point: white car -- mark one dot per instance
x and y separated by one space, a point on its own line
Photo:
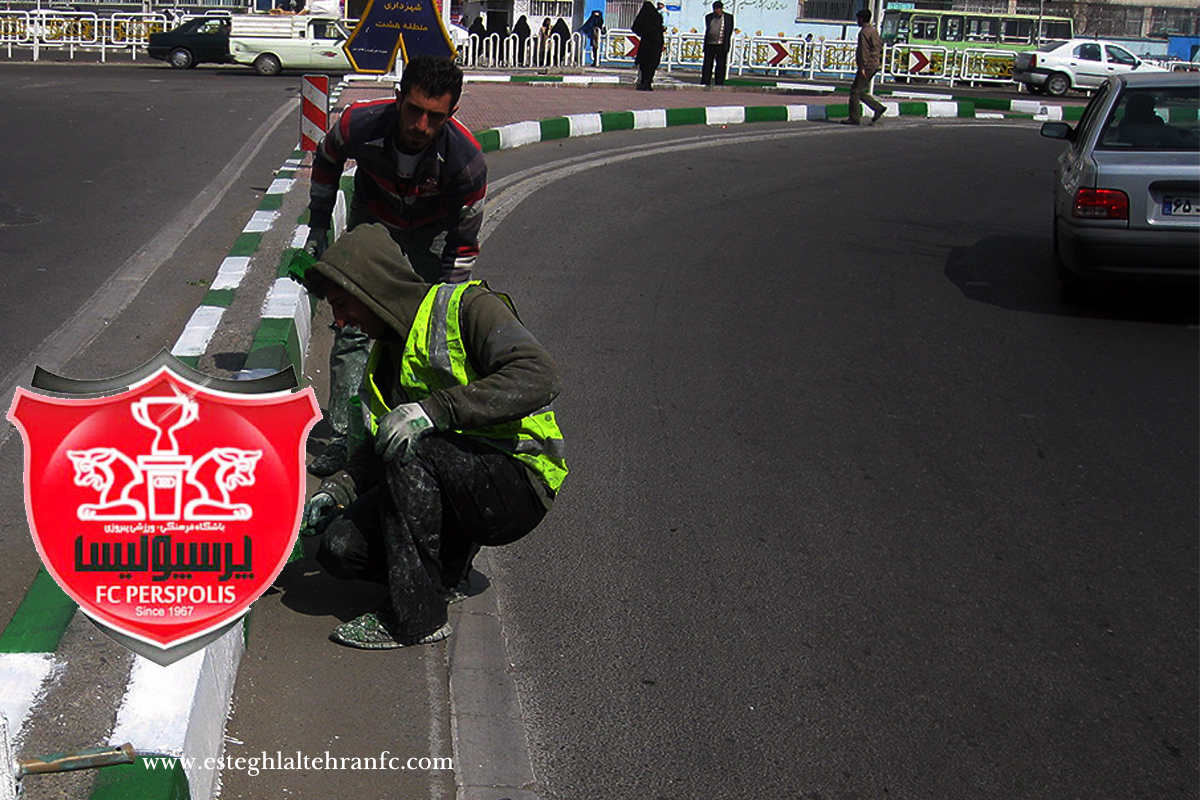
1057 67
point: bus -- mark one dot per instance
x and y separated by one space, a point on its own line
958 30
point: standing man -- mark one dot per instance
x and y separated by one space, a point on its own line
868 58
462 449
422 175
718 35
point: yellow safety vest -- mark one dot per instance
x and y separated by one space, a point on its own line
435 358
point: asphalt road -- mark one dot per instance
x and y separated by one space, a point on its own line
131 182
856 508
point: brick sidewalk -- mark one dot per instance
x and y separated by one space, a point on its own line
490 105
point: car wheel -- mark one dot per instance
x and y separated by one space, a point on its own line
267 64
1057 84
181 58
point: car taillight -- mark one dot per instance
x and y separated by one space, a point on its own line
1032 60
1101 204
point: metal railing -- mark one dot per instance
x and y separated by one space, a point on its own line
73 30
760 55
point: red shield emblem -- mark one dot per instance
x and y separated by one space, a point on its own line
166 510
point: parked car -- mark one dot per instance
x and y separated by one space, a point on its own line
199 40
271 45
1127 187
1057 67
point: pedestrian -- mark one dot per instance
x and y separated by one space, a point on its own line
545 44
648 26
462 450
421 174
718 35
592 29
868 59
524 35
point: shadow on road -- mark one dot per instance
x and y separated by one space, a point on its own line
1018 273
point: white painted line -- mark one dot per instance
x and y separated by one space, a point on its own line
810 112
24 680
988 115
231 272
943 109
289 300
300 236
282 185
198 332
260 222
923 95
805 87
487 79
649 118
519 134
180 709
1052 113
724 115
1027 106
584 124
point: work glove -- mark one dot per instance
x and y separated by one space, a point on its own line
335 493
399 431
318 240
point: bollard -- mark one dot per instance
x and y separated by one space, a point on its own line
314 110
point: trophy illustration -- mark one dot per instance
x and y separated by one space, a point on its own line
164 468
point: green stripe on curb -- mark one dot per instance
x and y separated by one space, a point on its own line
40 621
555 128
766 113
1072 113
966 108
218 297
914 109
276 346
617 121
536 78
993 103
271 202
246 244
136 781
489 140
687 116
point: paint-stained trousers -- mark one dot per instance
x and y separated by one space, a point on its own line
414 533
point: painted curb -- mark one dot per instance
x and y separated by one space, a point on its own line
170 711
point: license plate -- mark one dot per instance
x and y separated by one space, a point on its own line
1181 207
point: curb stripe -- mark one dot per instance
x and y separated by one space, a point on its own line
40 621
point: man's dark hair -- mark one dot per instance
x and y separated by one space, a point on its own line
864 15
434 76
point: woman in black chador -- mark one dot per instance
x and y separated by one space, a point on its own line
648 25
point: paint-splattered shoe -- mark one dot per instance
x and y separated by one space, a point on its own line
370 632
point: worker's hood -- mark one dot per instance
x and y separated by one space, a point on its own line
368 264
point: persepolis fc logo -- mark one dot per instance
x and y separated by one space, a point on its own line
164 510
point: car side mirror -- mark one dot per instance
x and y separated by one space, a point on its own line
1058 130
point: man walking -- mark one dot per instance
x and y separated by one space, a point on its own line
868 58
422 175
718 35
462 448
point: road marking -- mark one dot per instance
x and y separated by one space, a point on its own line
119 291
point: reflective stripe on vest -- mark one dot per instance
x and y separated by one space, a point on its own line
436 358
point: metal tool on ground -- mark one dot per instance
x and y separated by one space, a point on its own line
12 770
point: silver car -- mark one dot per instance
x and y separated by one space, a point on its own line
1127 187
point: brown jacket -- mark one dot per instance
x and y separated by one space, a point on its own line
869 55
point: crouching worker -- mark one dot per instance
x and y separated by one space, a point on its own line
461 449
